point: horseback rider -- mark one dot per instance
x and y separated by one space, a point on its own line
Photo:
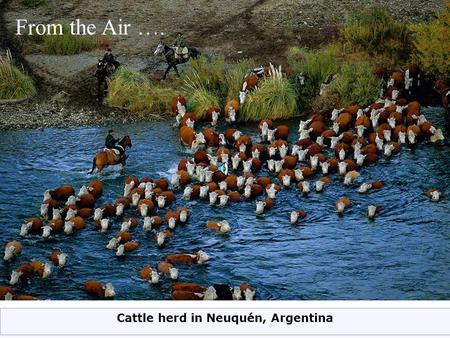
111 142
109 59
180 45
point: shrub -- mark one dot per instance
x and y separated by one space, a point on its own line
205 73
14 83
275 98
374 30
432 46
200 100
234 76
315 66
133 92
355 83
67 44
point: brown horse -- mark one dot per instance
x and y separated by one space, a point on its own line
108 157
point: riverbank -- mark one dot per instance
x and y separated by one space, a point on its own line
236 36
38 114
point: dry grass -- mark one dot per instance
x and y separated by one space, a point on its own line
275 99
133 92
14 83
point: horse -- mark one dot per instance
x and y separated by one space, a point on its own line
103 72
109 157
171 60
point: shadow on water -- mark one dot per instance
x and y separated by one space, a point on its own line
403 254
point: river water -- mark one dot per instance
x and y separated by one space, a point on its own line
403 254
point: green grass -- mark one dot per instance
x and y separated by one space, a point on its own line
14 83
205 73
135 93
234 76
433 47
67 44
200 100
374 30
355 83
275 99
315 66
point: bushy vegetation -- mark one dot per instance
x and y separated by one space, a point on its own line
14 83
234 74
275 98
67 44
314 67
433 47
200 100
374 30
355 83
205 73
135 93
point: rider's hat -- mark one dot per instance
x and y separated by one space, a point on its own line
109 49
110 131
179 33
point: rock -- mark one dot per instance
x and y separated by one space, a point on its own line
61 97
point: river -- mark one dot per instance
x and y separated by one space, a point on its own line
403 254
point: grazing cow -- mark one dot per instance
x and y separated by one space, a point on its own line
58 258
444 90
33 224
126 247
145 207
99 290
188 120
61 194
168 269
178 105
188 137
149 274
231 110
212 115
295 215
12 249
253 190
248 85
211 138
262 206
189 287
162 183
6 293
372 210
199 258
120 205
222 226
75 223
55 226
165 198
43 270
130 183
22 272
343 121
96 189
282 132
186 295
434 194
342 203
47 208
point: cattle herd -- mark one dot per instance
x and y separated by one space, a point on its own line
224 169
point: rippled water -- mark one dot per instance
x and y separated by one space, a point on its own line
403 254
